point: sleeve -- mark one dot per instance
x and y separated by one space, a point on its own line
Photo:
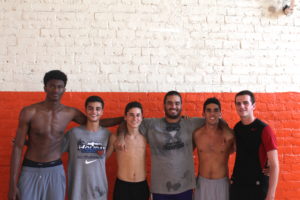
268 139
66 142
144 127
196 122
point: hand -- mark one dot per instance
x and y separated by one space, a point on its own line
185 117
270 197
120 144
14 193
266 171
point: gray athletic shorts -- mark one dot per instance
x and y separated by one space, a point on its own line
47 183
212 189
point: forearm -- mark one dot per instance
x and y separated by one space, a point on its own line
108 122
273 180
15 165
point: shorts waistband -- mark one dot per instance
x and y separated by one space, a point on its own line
126 182
212 180
30 163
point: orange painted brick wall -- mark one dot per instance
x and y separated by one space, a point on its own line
280 110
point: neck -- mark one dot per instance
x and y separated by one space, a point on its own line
92 126
52 104
170 120
248 120
132 131
212 127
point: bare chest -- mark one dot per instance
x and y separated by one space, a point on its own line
213 145
50 123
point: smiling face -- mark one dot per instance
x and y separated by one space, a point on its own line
54 89
173 107
94 111
244 107
133 117
212 114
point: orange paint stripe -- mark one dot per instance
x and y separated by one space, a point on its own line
280 110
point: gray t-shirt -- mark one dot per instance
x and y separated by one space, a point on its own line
172 164
86 164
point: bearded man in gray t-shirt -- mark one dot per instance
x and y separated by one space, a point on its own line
170 140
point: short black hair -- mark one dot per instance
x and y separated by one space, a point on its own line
246 92
94 99
170 93
213 100
133 104
55 75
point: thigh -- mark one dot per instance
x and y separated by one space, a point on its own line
246 193
56 184
121 191
187 195
29 186
140 191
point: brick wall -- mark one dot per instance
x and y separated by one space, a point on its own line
200 48
150 45
280 110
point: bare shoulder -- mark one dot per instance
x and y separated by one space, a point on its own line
71 110
30 111
198 132
228 133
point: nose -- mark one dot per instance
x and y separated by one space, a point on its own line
173 105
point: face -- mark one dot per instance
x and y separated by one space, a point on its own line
94 111
54 89
134 117
244 106
212 114
173 107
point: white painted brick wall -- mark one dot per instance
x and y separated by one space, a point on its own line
150 45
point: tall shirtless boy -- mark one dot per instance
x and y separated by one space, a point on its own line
43 124
214 145
131 183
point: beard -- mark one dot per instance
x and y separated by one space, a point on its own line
173 116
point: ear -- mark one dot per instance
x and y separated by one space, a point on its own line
254 106
44 88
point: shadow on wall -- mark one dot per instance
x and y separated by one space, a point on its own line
277 8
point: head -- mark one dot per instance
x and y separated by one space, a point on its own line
246 92
212 111
55 75
94 106
54 84
173 105
133 114
245 104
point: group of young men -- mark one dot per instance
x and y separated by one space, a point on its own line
171 139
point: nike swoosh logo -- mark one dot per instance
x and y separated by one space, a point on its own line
89 162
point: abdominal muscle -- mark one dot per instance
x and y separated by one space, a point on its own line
132 163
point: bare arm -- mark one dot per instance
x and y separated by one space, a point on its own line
274 171
23 127
110 148
120 141
194 143
80 118
107 122
233 146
